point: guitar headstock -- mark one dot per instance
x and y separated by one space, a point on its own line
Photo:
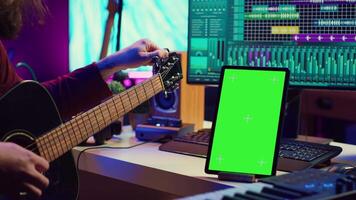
170 69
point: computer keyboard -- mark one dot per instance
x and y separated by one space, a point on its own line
309 184
303 154
201 137
299 150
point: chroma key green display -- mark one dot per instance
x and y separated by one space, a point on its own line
248 121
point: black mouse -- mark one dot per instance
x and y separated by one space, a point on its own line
342 169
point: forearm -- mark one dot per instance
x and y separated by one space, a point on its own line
138 54
109 66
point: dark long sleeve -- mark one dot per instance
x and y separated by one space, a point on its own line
78 91
8 76
73 93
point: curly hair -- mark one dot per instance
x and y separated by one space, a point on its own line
12 13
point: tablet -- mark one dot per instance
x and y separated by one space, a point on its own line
248 121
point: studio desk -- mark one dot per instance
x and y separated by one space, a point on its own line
144 172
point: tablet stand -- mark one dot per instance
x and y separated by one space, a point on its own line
248 178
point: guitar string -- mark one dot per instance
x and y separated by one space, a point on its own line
99 122
83 125
111 106
56 136
87 113
99 125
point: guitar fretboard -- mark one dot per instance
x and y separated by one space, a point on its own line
68 135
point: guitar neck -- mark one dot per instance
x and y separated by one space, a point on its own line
68 135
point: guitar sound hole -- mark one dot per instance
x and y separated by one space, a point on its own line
23 139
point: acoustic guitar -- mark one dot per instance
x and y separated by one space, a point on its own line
29 117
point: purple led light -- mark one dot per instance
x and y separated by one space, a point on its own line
308 2
322 38
127 83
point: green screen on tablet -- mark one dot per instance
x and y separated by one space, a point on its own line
247 124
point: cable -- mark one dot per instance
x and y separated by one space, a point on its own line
26 66
108 147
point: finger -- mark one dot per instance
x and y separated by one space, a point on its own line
41 164
32 190
37 179
150 46
162 53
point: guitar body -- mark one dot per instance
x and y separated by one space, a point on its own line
26 112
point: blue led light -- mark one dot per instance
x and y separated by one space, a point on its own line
309 185
328 185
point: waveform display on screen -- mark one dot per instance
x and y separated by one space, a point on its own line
317 66
315 39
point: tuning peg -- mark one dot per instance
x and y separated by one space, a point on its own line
169 82
174 87
156 59
176 78
175 58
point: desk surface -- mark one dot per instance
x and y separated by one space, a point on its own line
173 173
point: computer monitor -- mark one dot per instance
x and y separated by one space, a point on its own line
316 40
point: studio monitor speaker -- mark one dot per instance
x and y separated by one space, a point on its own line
166 105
